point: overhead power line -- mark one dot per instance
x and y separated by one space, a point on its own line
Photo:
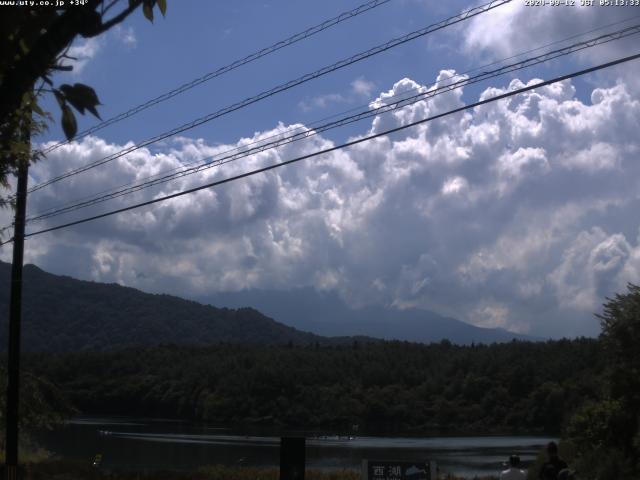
403 101
309 32
339 147
311 125
280 88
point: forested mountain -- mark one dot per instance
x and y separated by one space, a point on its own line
325 313
64 314
384 386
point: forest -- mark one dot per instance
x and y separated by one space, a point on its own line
388 386
62 314
585 390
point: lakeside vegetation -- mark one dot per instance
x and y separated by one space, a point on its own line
586 389
48 469
62 314
391 386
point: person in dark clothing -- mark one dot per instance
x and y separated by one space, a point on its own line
548 472
566 474
513 472
553 465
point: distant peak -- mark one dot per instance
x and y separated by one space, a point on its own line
32 267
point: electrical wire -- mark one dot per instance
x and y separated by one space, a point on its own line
244 152
465 15
319 122
309 32
338 147
353 109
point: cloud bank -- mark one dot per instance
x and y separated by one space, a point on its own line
519 214
515 28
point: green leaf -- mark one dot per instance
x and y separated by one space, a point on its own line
59 98
23 46
36 108
91 24
69 124
94 112
82 97
72 99
87 92
162 5
147 9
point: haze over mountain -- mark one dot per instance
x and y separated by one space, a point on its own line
64 314
325 313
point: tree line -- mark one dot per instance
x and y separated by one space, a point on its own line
387 386
586 390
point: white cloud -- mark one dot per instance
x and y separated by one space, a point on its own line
126 35
454 186
491 315
520 214
360 88
363 87
83 52
322 101
513 28
509 29
594 265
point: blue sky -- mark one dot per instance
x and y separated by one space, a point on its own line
199 37
517 215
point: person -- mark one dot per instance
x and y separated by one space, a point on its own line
566 474
513 472
548 472
552 467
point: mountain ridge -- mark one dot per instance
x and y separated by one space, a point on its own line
61 313
325 313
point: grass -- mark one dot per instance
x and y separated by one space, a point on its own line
69 470
27 455
66 470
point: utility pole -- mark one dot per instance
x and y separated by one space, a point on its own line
15 314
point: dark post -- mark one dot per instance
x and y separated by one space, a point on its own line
292 458
13 385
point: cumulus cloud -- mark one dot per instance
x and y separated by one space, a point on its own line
519 214
510 29
592 266
360 88
82 53
513 28
322 101
126 35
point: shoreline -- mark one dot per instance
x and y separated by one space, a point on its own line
77 470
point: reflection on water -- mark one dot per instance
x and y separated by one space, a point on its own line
165 444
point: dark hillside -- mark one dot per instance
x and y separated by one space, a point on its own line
64 314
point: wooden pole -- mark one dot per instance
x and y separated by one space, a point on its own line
15 314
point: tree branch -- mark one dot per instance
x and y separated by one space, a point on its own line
108 7
48 46
117 19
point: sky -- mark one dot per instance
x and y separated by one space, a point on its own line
520 214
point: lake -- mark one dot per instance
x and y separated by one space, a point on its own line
165 444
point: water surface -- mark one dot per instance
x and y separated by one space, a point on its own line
166 444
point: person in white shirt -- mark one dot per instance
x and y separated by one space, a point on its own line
513 472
